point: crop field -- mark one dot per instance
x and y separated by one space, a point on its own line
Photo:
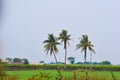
24 75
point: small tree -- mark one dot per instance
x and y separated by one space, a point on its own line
71 60
17 60
9 59
41 62
25 61
105 63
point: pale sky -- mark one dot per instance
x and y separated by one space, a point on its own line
27 23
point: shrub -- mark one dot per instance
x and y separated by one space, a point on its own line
41 76
61 66
3 75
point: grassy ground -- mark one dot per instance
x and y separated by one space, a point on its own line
23 75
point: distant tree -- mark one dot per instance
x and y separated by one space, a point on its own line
71 60
41 62
17 60
52 63
25 61
79 63
105 63
87 62
95 63
9 59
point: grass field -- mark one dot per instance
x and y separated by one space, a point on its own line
23 75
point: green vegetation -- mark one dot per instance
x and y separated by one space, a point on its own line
105 63
2 72
52 74
61 66
4 76
17 60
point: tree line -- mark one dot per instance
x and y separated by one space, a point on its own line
17 60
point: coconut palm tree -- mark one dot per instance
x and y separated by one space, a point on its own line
51 45
90 47
84 45
64 37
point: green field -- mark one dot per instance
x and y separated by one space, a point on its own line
23 75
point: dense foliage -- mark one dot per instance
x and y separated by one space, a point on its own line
61 66
25 61
105 63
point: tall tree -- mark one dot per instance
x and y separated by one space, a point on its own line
90 47
51 47
85 44
64 37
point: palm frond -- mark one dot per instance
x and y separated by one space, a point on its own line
84 44
51 44
65 38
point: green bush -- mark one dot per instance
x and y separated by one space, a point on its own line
61 66
3 75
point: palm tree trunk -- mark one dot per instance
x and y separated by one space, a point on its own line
56 60
85 59
58 69
91 61
65 58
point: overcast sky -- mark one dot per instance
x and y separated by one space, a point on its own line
26 23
